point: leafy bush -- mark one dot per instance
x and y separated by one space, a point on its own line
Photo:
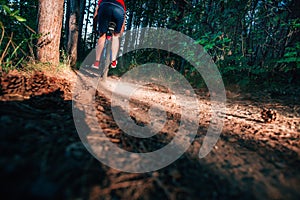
14 45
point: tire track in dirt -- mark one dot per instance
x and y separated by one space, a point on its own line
250 155
252 160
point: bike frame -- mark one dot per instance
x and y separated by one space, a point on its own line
107 47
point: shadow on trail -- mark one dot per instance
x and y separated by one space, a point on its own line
43 158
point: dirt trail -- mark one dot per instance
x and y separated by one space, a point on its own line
256 157
251 160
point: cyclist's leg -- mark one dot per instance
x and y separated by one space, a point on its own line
115 46
104 16
100 46
119 18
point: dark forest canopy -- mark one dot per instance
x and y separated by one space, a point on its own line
247 39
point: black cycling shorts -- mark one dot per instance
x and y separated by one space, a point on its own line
108 12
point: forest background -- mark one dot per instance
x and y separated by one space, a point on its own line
253 42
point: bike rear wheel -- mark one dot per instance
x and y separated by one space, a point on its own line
108 44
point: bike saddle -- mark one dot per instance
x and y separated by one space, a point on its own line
111 29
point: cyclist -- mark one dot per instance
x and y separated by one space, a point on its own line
107 11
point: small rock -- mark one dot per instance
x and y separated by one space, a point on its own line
155 174
232 139
280 164
114 140
100 108
229 117
172 97
187 92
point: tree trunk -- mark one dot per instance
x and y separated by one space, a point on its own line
73 39
82 6
67 21
50 16
75 25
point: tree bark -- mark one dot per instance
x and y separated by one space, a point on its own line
73 39
50 16
82 7
75 26
67 21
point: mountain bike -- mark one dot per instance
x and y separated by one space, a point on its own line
107 49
